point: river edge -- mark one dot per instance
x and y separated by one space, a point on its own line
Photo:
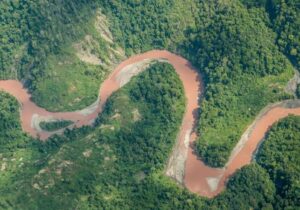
188 170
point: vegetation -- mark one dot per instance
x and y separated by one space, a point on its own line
243 73
119 164
242 48
64 90
144 25
55 125
249 188
41 48
298 91
284 18
35 29
237 45
17 156
279 155
99 158
11 135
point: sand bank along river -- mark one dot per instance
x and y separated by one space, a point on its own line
184 165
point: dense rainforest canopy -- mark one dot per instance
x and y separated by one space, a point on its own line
119 163
246 51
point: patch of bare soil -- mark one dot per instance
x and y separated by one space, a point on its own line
110 127
3 166
136 115
116 116
176 164
131 70
87 153
184 165
102 26
291 87
84 51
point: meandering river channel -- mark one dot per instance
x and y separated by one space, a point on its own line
184 165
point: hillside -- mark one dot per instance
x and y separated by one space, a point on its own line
62 51
119 164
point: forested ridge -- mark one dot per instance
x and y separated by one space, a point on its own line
244 71
246 51
239 47
284 19
37 28
119 164
37 39
278 155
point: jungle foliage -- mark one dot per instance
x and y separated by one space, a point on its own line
11 135
37 46
298 91
236 45
284 18
243 70
118 164
233 47
246 51
279 155
34 29
55 125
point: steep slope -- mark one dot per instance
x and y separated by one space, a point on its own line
233 47
58 49
244 71
284 19
119 164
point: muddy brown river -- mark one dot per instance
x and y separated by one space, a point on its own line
184 165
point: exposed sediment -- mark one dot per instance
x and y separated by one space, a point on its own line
184 165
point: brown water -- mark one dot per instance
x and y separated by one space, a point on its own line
198 178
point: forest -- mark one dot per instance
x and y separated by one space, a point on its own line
284 19
118 164
246 51
54 125
239 47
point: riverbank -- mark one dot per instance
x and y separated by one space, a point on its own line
184 164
